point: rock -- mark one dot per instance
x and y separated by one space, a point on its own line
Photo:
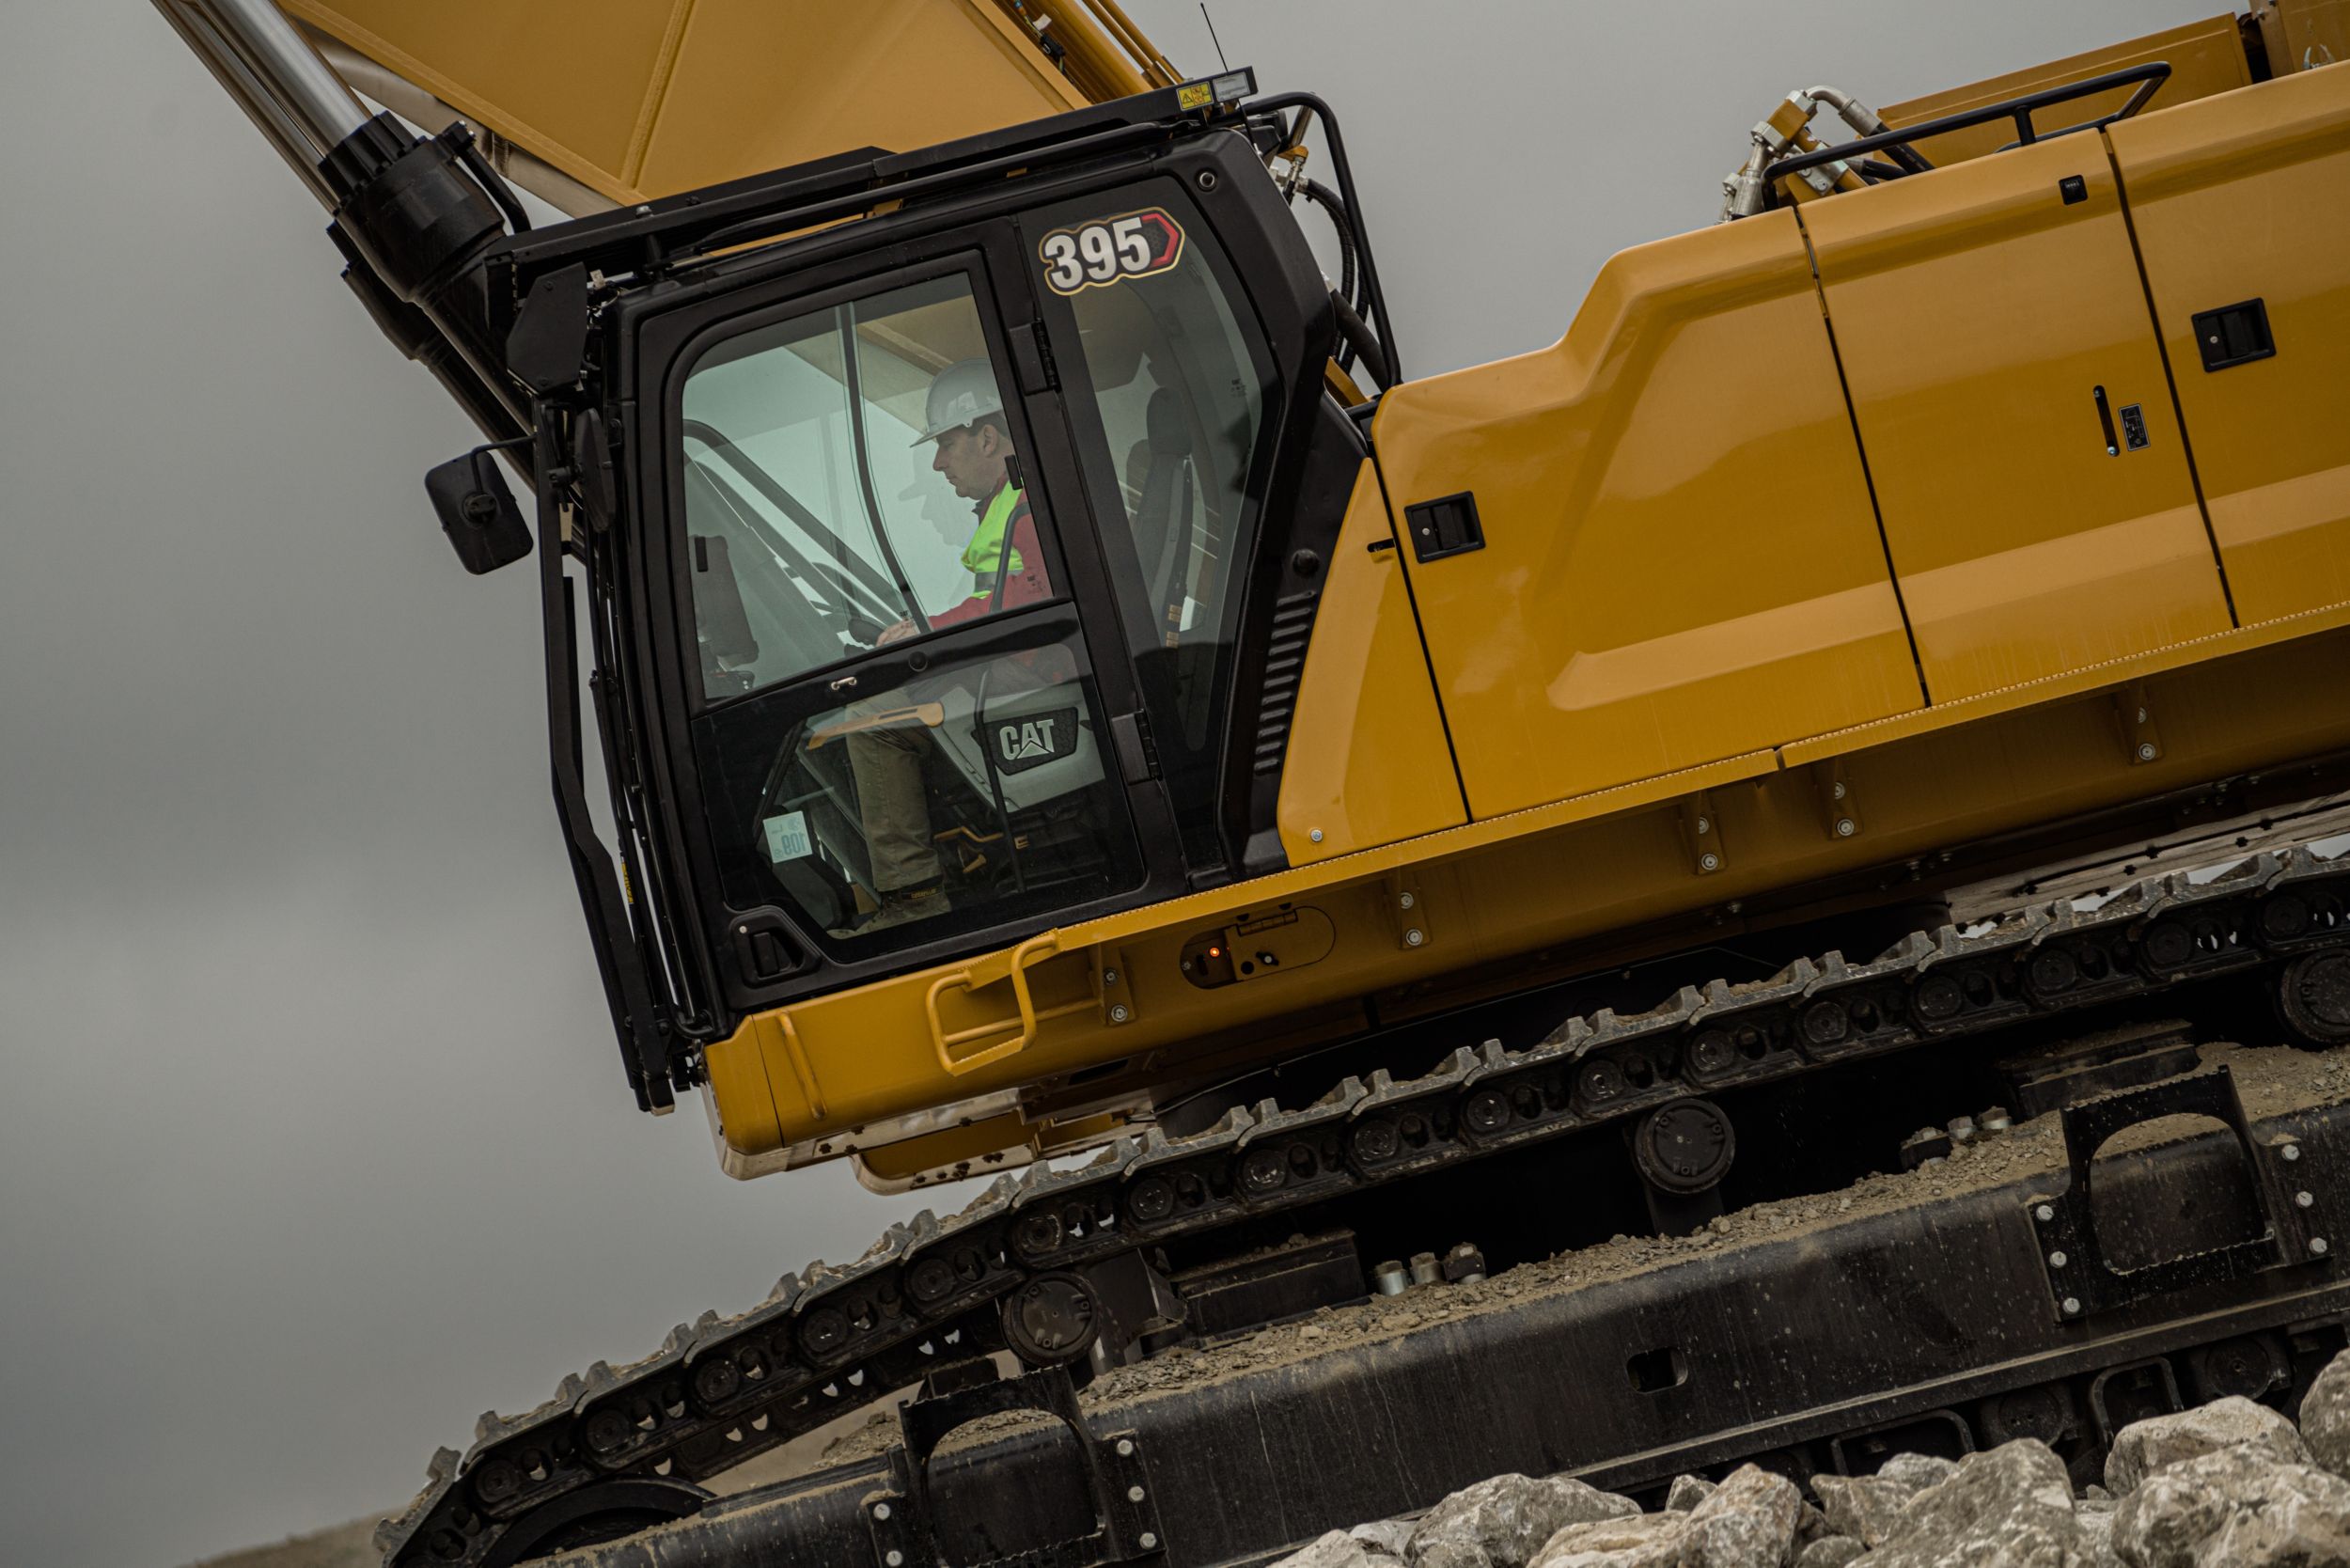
2325 1415
2094 1519
1829 1551
1338 1549
2010 1507
2144 1446
1642 1541
1746 1522
2237 1507
1917 1471
1867 1507
1384 1535
1501 1523
1688 1492
1861 1507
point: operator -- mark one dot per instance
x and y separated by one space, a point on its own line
964 417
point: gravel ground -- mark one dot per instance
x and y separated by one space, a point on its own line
2232 1484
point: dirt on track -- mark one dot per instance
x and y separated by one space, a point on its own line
2271 1080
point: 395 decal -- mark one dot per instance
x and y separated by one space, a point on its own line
1110 250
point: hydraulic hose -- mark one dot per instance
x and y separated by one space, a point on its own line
1342 222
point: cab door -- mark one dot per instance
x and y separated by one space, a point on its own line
2016 417
883 625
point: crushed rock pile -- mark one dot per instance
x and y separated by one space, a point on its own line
2232 1484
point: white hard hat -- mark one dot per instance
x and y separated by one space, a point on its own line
960 394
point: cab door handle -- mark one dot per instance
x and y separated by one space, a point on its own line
2105 418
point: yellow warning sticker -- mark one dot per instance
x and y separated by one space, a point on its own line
1194 95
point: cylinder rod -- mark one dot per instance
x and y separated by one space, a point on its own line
292 95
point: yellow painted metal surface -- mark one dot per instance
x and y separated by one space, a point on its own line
2298 35
1368 760
1681 563
643 97
1977 312
2249 197
2205 58
1504 901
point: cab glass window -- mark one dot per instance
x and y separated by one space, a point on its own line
903 740
927 795
849 482
1175 387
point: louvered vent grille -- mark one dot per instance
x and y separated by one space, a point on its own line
1284 663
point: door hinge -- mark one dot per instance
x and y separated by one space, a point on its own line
1032 359
1137 755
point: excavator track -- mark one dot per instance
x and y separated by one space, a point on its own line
835 1339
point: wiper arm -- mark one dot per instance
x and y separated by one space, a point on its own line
773 492
853 381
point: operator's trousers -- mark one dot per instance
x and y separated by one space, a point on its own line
885 756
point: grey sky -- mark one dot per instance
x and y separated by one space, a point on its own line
314 1141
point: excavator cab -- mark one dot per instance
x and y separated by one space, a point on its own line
937 542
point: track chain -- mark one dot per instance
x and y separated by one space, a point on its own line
833 1339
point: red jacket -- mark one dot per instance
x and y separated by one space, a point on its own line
1030 584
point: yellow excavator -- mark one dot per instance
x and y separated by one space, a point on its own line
1062 688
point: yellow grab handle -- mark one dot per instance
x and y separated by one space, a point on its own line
1021 957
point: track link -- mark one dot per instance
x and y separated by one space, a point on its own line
835 1339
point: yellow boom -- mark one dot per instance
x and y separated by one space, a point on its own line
597 103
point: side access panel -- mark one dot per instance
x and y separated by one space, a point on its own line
2018 419
2242 208
1677 560
1368 763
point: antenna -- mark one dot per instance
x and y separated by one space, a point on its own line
1221 63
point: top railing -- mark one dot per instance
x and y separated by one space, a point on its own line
2148 79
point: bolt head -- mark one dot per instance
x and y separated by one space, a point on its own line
2057 1258
1109 976
497 1481
893 1558
1710 862
1406 900
2044 1214
2317 1247
1705 825
2303 1199
2072 1305
881 1511
1125 1448
1119 1013
1152 1200
1844 827
1315 836
1413 938
1840 790
1133 1494
2291 1151
1147 1541
2145 751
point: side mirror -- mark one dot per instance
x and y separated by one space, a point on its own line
477 512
